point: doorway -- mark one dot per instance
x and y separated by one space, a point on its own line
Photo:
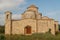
27 30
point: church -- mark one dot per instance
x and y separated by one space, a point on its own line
31 22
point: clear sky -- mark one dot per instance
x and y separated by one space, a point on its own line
50 8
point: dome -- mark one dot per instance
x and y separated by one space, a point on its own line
32 6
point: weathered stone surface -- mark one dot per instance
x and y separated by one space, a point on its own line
33 19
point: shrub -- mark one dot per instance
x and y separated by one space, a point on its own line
2 37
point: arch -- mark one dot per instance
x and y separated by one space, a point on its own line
27 30
7 16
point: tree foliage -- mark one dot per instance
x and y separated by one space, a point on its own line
2 29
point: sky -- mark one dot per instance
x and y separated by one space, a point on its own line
50 8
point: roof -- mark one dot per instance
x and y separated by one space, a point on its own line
45 17
8 12
32 6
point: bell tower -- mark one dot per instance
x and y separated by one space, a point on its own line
8 25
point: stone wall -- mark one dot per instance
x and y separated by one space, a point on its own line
18 26
8 27
42 26
45 24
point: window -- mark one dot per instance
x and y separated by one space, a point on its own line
55 26
7 16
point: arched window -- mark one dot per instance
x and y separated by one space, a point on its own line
7 16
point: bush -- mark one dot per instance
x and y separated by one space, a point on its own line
2 37
2 29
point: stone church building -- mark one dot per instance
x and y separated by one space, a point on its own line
31 22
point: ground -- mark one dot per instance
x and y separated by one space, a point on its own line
46 36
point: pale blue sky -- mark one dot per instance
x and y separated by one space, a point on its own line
50 8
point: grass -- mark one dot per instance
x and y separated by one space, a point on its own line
36 36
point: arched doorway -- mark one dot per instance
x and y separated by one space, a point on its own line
27 30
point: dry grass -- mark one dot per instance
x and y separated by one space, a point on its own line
46 36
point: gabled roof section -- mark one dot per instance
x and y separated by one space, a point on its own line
45 17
